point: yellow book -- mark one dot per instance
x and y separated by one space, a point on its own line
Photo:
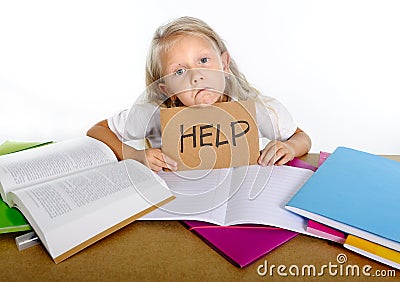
373 250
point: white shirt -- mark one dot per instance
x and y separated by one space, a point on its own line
142 121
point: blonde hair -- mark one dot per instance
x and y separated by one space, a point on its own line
165 36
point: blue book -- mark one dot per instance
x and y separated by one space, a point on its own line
355 192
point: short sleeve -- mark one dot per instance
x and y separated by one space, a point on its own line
274 120
142 121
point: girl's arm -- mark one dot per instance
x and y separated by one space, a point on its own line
281 152
153 158
102 132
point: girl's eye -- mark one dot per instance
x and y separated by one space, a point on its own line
180 72
204 60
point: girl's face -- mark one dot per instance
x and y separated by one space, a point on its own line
194 71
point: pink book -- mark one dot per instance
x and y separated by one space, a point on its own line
325 232
240 245
322 157
243 244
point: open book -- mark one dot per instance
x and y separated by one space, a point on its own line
246 194
75 192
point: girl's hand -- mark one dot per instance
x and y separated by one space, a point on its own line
156 160
276 152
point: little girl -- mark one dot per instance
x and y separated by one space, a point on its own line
184 54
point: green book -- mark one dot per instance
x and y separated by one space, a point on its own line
11 219
13 146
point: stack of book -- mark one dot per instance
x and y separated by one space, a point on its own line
354 196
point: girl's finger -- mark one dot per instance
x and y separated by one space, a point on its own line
284 160
279 154
154 161
172 164
155 168
267 156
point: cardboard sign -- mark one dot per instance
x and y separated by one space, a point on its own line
211 136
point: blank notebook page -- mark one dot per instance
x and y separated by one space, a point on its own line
263 195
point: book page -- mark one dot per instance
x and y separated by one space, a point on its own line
200 195
41 164
259 195
89 202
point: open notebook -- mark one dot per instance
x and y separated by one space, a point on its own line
240 195
243 244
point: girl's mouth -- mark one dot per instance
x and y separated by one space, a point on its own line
205 89
199 91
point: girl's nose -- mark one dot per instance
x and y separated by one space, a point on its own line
196 76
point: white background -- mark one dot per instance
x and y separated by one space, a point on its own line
65 65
